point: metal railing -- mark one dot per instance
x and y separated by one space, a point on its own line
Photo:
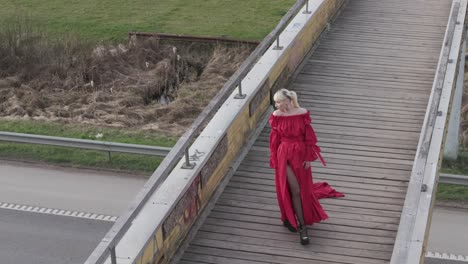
107 246
84 144
453 179
412 229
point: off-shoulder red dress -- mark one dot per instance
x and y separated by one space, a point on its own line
293 141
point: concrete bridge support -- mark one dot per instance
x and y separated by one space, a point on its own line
453 136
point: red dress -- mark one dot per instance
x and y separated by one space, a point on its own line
293 141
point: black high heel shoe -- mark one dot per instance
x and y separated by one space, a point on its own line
289 226
303 235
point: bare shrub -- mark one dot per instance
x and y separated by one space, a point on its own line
144 84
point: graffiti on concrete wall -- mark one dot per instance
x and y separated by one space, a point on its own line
216 157
258 98
186 210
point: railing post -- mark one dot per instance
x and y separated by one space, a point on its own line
113 256
187 164
277 47
240 95
307 8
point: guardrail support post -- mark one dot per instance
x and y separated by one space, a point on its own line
187 164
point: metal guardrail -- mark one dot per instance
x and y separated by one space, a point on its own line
453 179
107 245
84 144
140 149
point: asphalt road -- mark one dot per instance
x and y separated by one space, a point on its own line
28 237
449 231
69 189
34 238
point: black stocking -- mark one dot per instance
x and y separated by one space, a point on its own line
295 194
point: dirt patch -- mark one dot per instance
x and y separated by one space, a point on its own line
146 85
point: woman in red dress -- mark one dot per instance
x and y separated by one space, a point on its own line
293 146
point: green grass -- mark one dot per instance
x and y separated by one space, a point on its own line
78 157
112 20
452 193
459 166
87 132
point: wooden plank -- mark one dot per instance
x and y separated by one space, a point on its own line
322 174
326 136
338 150
349 188
411 56
347 170
378 91
366 71
370 92
305 77
268 258
379 30
281 233
328 207
348 223
260 145
388 58
343 164
365 57
304 256
296 246
420 28
395 20
340 186
340 202
365 104
348 160
396 46
352 194
343 177
311 104
353 156
363 98
208 258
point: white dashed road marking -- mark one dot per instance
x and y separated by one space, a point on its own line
52 211
446 256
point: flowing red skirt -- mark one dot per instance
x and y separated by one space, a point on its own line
310 192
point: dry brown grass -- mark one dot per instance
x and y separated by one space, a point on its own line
146 85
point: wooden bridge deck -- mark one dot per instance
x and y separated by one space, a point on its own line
367 87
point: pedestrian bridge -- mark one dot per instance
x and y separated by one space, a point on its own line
378 77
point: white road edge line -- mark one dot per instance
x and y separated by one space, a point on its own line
61 212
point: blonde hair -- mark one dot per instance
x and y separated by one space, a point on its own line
284 94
